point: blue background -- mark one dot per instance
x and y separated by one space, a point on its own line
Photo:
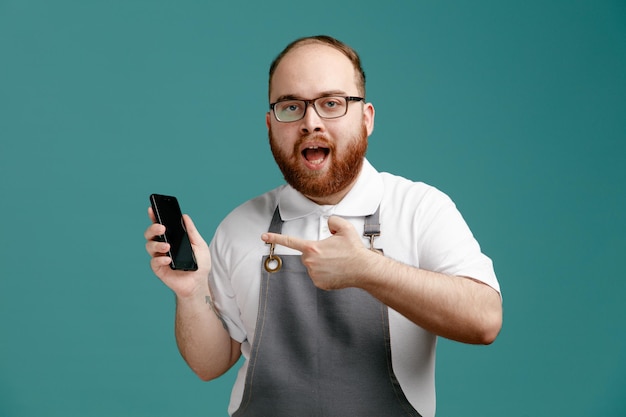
517 110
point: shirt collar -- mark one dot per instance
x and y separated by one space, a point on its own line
362 200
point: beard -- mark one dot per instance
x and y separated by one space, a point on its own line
342 170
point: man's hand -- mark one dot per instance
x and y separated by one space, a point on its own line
183 283
332 263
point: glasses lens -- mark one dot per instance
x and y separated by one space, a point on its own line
289 110
331 107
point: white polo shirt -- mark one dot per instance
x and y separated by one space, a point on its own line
420 226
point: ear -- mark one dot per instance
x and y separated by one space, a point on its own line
368 117
268 120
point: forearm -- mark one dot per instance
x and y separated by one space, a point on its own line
457 308
202 338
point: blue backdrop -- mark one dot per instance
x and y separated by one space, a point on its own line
515 109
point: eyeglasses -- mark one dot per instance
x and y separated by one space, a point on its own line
325 107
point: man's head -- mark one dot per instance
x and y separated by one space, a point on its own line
318 147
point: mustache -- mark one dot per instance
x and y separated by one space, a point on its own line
314 137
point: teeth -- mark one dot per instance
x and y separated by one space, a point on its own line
314 149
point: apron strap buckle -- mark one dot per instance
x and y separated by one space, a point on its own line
272 263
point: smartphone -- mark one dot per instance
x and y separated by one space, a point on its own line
167 212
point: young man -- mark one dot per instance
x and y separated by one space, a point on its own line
335 286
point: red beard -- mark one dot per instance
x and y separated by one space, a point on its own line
342 171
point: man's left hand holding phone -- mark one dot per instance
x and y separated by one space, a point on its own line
180 256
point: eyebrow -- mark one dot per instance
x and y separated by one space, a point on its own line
329 93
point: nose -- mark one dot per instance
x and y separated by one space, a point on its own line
311 122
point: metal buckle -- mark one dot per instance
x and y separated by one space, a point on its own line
272 263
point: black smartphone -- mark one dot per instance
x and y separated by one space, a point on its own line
167 212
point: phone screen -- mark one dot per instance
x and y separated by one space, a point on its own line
167 212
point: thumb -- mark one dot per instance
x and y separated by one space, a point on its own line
194 236
339 225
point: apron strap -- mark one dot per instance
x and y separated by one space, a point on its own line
372 224
276 226
372 228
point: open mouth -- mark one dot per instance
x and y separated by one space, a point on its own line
315 155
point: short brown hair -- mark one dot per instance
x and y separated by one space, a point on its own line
350 53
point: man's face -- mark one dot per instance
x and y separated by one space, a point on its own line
321 158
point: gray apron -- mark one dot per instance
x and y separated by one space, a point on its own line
319 353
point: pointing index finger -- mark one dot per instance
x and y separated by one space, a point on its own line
284 240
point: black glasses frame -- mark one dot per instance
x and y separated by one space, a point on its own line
312 104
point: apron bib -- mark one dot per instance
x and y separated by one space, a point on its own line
319 353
